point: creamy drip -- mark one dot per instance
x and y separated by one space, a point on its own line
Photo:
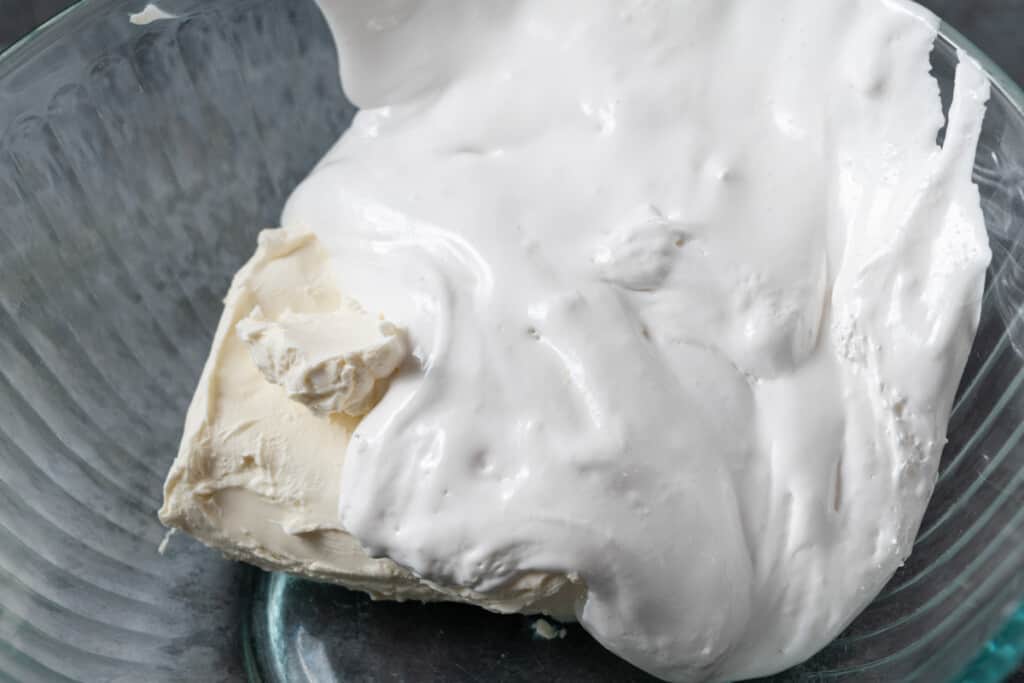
688 287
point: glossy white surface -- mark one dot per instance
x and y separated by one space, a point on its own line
690 286
149 14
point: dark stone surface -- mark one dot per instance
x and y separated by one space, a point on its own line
993 25
18 17
996 26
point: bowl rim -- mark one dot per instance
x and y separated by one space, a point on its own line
1004 652
1013 91
15 50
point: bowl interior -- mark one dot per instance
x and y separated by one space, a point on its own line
137 164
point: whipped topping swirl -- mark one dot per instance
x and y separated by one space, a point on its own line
688 286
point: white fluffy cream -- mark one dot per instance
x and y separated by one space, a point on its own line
690 286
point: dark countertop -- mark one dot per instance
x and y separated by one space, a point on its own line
996 26
993 25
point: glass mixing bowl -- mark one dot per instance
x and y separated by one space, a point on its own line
137 163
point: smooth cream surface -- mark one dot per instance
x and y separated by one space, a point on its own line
689 287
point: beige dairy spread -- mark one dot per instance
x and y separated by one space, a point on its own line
258 475
647 313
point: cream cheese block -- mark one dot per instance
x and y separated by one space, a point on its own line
258 472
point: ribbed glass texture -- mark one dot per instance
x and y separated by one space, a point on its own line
137 164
